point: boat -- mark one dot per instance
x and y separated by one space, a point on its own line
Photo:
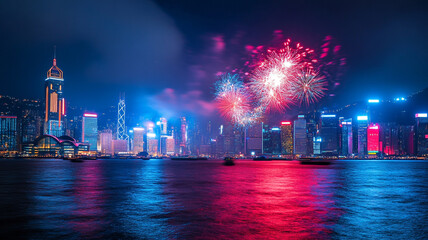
76 160
261 158
189 158
229 161
314 161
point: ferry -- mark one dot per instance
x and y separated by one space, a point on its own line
314 161
229 161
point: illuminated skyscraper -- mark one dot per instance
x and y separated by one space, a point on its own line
106 142
373 139
8 133
362 122
121 127
347 137
422 134
183 136
329 134
90 130
287 137
300 135
254 139
138 140
163 126
54 101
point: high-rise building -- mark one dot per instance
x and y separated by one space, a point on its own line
389 138
163 126
8 133
106 142
54 101
152 144
406 137
120 146
254 139
121 127
311 131
267 139
300 137
183 136
90 130
329 134
422 134
373 139
347 141
286 137
167 145
139 133
362 123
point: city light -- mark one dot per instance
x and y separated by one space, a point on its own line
362 118
286 123
90 115
151 135
275 129
328 116
421 115
138 129
373 100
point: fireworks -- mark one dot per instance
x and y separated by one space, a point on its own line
277 80
308 86
273 81
232 98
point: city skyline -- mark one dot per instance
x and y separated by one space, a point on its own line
193 55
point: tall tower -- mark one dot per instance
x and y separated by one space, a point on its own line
54 101
121 109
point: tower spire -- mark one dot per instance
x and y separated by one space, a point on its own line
54 59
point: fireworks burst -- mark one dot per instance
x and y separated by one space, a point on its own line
308 86
278 79
232 98
272 81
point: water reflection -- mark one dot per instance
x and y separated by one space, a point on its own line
88 213
163 199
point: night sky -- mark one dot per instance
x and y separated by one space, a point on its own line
165 54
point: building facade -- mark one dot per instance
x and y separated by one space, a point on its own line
90 130
54 102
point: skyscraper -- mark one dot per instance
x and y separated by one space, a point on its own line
106 142
138 139
422 134
254 139
373 139
183 136
300 135
54 101
90 130
287 137
329 134
347 137
8 134
362 122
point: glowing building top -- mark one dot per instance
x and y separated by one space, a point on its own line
54 72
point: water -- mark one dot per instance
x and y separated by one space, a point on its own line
164 199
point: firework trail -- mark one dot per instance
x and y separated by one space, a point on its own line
308 86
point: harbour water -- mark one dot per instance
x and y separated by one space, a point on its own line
164 199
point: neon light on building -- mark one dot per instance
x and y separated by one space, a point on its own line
362 118
328 116
285 123
373 139
421 115
373 100
90 115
